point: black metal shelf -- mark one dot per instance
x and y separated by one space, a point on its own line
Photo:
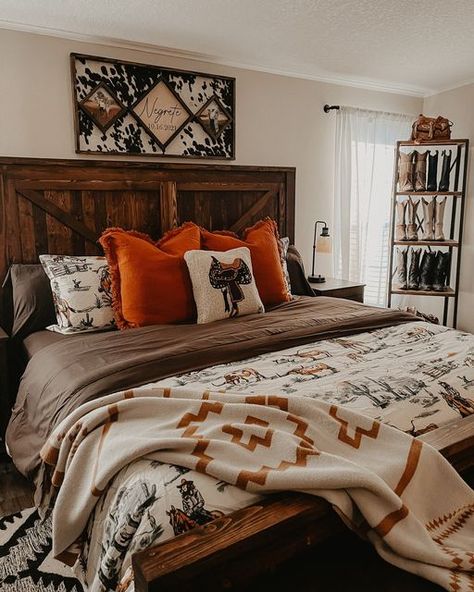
455 225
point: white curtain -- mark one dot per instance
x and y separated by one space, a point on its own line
365 148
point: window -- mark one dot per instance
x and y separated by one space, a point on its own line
365 148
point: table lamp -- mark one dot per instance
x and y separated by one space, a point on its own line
321 244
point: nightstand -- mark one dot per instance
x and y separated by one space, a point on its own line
339 289
4 387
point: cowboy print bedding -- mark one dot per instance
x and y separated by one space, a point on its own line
414 377
81 291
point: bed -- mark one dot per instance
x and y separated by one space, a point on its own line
307 346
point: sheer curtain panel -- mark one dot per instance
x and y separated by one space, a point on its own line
364 165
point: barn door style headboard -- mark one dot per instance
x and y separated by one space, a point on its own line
62 206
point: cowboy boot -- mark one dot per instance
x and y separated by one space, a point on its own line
428 219
441 271
420 171
445 170
412 234
439 218
432 171
414 273
402 255
401 228
427 267
405 171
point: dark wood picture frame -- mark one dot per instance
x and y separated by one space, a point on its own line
222 108
149 131
212 150
101 126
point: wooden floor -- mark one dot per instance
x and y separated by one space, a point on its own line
16 492
343 563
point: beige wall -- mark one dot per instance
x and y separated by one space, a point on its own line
458 106
279 119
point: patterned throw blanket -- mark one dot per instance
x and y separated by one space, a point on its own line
401 493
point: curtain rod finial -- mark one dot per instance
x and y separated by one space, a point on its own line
328 108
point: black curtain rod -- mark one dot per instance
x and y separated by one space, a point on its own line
328 108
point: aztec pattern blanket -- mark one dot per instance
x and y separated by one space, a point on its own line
413 506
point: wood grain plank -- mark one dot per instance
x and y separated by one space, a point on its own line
227 186
53 210
290 188
41 230
89 220
281 211
27 236
93 185
274 530
252 212
59 235
75 209
12 243
202 209
455 441
100 211
3 235
169 206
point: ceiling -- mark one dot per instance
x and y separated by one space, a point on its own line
412 46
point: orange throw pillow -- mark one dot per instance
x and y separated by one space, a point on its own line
262 240
150 281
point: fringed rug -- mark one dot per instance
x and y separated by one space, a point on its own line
26 562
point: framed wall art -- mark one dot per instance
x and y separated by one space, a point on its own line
129 108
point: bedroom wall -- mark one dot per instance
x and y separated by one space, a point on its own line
457 105
279 119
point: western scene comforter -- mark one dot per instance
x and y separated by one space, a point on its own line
384 364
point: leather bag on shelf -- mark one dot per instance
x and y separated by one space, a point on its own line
431 129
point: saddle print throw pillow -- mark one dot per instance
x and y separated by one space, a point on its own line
223 284
150 280
262 240
81 293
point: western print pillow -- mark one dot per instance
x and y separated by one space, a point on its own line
262 240
81 293
223 284
284 244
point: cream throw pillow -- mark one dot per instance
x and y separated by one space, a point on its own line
223 284
81 293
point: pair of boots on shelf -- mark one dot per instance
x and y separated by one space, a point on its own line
412 171
406 228
428 275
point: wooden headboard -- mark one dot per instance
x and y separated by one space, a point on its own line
62 206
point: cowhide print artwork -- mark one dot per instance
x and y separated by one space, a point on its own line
128 108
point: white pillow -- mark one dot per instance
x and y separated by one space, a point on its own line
223 284
81 293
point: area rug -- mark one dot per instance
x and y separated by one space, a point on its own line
26 562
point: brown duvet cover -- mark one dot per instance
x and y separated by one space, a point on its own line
64 375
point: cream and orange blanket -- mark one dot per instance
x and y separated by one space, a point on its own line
404 495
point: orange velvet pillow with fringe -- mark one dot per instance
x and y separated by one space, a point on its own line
150 280
263 241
